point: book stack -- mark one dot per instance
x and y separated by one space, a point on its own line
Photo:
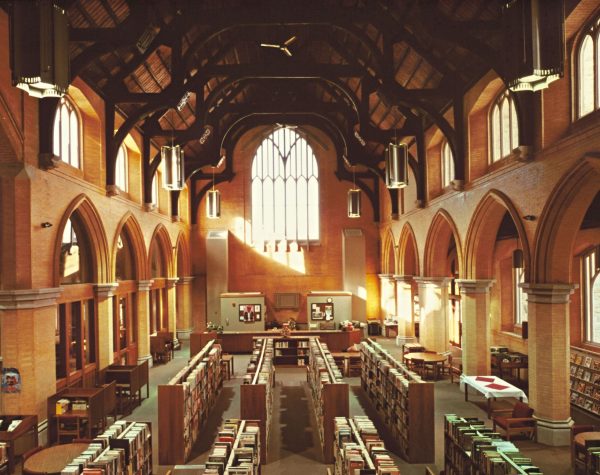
471 447
236 450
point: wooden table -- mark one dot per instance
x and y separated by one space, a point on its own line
428 358
412 347
53 459
491 387
579 451
346 357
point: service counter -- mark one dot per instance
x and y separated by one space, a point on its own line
241 342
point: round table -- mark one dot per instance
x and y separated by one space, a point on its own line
583 436
53 459
428 358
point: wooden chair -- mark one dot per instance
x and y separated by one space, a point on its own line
575 449
520 420
454 368
582 460
160 349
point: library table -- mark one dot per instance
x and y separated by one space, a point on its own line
491 387
428 358
52 460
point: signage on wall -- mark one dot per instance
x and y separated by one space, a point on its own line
11 380
250 313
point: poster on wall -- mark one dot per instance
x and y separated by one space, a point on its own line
11 380
321 311
250 313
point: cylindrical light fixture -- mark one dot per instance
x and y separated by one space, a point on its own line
396 166
39 48
173 174
354 203
213 201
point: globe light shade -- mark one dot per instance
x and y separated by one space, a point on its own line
173 173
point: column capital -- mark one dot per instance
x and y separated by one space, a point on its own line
384 277
474 286
548 293
186 279
171 281
406 279
434 281
106 290
28 298
144 285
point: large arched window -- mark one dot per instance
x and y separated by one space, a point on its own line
125 303
504 126
588 71
66 133
447 165
121 168
285 189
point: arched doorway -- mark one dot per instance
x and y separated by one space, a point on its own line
159 268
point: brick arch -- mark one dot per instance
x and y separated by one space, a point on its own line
388 254
182 251
131 226
482 232
441 230
161 238
561 219
408 254
95 233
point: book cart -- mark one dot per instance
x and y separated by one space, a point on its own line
471 448
125 448
329 393
358 449
256 399
402 399
184 404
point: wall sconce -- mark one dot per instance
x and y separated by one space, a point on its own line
46 224
39 48
396 165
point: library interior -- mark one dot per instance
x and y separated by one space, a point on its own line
275 237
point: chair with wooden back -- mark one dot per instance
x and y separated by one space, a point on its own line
578 452
518 421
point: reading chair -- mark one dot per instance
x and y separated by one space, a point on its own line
519 421
579 450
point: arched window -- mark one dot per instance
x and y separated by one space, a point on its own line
121 168
66 133
588 71
285 189
125 304
159 315
75 255
504 126
590 290
447 165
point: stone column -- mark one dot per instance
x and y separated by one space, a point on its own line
106 338
388 297
172 307
143 309
27 339
549 356
475 308
433 323
184 307
404 306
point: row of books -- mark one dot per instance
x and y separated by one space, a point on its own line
471 447
359 450
236 450
125 448
585 380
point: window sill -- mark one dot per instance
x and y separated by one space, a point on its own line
515 156
588 121
512 334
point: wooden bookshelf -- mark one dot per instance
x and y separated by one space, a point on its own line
358 449
184 404
585 380
291 351
19 437
403 401
329 393
471 448
256 400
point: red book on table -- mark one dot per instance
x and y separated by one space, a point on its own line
485 378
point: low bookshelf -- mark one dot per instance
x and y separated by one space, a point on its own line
256 399
358 449
471 448
329 393
290 351
185 402
403 401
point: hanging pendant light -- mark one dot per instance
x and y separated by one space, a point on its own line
534 43
39 48
353 199
396 165
213 201
173 166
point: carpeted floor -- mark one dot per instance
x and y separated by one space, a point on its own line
294 447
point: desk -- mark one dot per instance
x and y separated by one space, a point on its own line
130 379
94 415
52 460
428 358
491 387
348 359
